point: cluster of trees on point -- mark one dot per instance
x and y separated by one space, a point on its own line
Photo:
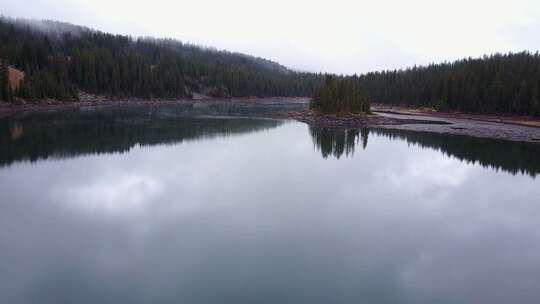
341 95
59 60
501 83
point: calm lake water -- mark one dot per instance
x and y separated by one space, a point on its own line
145 206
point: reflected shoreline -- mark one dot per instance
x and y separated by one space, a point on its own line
68 135
507 156
71 134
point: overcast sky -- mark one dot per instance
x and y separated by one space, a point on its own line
340 36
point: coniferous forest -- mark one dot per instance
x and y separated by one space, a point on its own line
493 84
340 94
62 60
5 90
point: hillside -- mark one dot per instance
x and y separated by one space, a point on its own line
65 62
496 84
60 60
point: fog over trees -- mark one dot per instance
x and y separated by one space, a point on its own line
59 60
62 60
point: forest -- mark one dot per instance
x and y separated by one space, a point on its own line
340 95
5 91
59 60
501 83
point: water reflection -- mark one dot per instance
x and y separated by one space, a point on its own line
336 142
512 157
70 134
508 156
263 218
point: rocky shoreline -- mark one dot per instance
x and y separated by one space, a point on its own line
527 121
420 123
352 120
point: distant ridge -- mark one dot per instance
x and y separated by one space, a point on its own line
56 29
63 61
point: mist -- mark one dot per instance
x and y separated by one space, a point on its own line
344 37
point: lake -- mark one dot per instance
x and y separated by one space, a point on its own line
159 206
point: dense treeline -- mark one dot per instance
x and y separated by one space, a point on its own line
59 60
493 84
340 94
5 91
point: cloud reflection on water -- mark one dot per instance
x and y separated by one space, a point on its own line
262 217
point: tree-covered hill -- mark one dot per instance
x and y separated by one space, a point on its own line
499 83
60 60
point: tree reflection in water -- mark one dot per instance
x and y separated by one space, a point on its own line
64 135
69 134
508 156
336 142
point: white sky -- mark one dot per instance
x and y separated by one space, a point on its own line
340 36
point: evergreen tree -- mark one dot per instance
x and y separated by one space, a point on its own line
3 81
340 95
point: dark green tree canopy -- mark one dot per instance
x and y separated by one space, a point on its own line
492 84
61 60
341 95
64 59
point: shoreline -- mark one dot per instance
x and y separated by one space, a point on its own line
427 114
438 124
526 121
513 128
8 109
354 120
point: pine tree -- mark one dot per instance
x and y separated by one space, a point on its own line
6 93
342 94
3 81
